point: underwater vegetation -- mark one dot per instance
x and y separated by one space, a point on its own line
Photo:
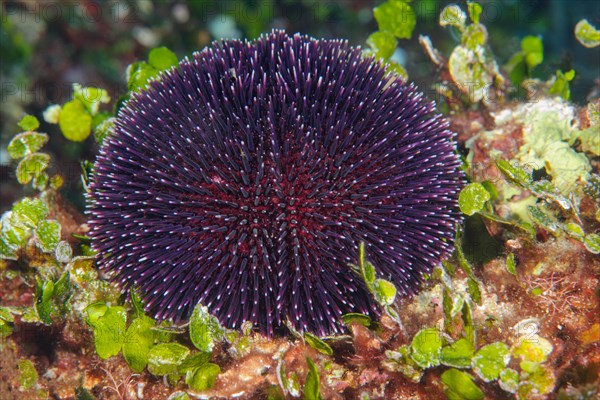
289 217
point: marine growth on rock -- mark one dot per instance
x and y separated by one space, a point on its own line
246 178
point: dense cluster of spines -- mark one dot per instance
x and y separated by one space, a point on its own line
247 177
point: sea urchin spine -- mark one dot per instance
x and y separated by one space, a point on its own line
246 178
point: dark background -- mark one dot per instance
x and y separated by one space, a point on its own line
45 46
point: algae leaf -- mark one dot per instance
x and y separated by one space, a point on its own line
460 386
458 354
490 360
396 17
587 34
204 329
317 344
203 377
74 121
162 58
164 358
383 44
312 386
26 143
109 331
472 198
139 339
29 123
426 347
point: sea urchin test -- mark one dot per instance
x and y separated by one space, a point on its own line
247 177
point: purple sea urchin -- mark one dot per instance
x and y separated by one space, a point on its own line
246 178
